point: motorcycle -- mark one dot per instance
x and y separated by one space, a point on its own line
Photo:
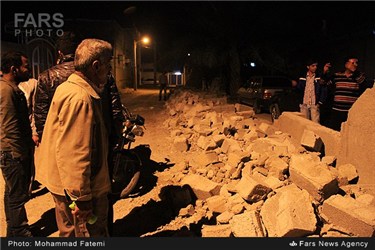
126 163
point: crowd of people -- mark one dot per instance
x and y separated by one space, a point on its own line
71 117
73 120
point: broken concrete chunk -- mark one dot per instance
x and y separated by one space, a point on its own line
330 160
348 171
216 204
251 190
247 225
356 218
266 129
216 231
289 213
311 141
313 176
181 144
225 217
201 186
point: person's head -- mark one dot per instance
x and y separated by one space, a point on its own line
311 66
66 44
15 66
93 59
351 64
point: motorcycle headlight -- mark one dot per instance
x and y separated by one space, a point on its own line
137 130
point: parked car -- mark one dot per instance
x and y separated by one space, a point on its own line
149 81
259 90
287 100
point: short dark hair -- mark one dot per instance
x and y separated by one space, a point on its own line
346 59
311 61
67 43
11 58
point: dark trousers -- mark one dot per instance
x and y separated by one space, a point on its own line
336 118
17 176
163 87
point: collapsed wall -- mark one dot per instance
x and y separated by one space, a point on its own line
358 138
253 179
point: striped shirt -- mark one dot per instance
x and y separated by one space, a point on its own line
347 90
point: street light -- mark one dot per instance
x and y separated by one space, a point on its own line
145 40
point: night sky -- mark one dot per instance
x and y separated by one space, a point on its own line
290 24
168 19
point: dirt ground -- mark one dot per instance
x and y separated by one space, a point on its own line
144 212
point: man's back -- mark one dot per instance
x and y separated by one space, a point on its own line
48 81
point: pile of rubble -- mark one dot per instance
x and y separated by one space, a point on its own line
247 179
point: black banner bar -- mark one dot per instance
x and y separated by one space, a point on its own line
186 243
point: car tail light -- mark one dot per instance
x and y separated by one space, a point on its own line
267 95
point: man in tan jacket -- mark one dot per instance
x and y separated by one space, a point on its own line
74 165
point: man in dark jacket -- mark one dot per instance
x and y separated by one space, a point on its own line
51 78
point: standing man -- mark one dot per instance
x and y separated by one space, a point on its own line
16 143
51 78
75 145
163 81
346 87
313 93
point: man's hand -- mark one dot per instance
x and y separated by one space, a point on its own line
83 211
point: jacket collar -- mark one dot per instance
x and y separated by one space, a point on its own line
67 58
76 79
12 84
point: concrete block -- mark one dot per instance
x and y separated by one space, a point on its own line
247 224
313 176
251 190
348 171
311 141
289 213
181 144
225 217
293 124
356 218
217 231
201 186
216 204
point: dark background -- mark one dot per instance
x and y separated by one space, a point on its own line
279 36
